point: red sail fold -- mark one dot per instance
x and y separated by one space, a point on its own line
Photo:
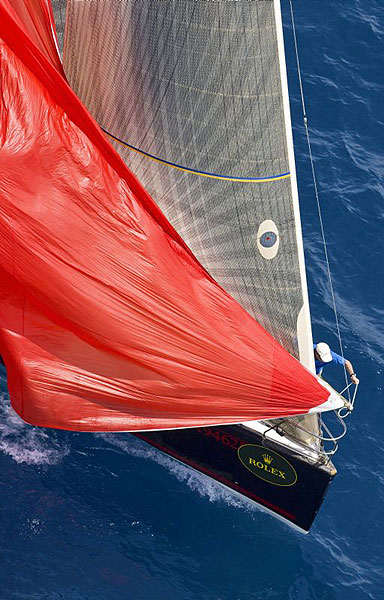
107 321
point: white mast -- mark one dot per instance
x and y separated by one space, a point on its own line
304 330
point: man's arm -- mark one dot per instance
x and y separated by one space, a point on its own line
349 367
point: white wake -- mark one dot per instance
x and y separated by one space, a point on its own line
198 482
25 443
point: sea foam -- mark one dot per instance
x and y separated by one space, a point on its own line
24 443
196 481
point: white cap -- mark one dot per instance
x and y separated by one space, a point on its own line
324 352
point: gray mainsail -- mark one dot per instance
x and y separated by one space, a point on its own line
193 95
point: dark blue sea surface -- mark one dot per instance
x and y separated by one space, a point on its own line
106 517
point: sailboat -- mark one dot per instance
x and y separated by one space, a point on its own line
170 299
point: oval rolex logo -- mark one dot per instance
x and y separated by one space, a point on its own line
268 465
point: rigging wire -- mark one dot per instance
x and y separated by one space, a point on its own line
305 119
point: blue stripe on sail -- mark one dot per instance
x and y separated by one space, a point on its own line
195 171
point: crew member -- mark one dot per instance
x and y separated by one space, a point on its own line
325 356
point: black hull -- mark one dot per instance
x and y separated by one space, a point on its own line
240 459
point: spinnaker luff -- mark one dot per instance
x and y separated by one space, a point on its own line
108 322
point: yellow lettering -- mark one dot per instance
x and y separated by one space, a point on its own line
267 468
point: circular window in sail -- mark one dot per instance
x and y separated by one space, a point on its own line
268 239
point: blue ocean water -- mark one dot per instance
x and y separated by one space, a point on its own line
106 517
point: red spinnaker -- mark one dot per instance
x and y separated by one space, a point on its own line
107 321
